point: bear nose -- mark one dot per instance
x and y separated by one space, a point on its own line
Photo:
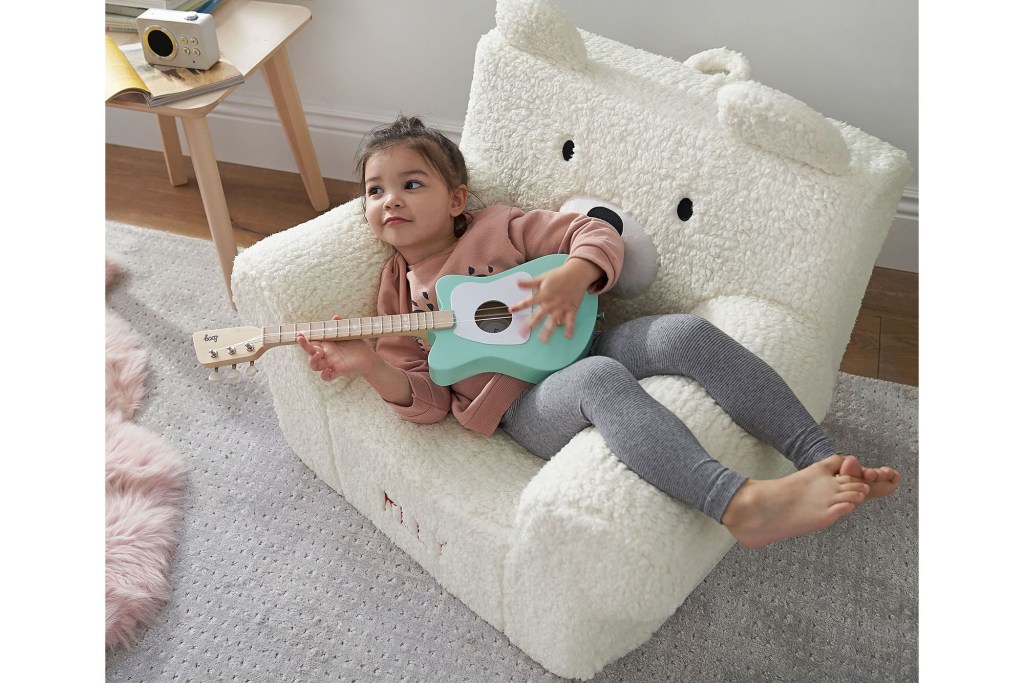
640 265
607 215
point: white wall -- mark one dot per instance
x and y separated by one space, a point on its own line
360 62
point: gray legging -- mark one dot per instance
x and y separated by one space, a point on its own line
602 390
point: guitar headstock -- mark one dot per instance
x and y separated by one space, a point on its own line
229 346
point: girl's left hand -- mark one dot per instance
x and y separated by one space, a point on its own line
557 295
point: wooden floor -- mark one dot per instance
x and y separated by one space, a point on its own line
883 345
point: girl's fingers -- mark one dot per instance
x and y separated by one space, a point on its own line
532 283
522 305
551 322
570 324
549 328
536 319
308 347
546 317
315 353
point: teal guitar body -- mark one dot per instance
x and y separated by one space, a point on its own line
487 337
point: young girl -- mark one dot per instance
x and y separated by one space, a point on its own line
416 187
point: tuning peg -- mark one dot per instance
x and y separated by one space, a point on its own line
233 374
251 370
215 376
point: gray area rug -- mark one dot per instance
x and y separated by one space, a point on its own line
278 578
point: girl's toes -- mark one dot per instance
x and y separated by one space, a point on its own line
842 509
854 485
850 466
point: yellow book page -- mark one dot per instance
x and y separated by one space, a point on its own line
121 77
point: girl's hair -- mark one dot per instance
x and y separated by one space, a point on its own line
438 151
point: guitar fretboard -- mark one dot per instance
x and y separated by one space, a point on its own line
360 328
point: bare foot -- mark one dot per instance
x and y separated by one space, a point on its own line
764 511
881 481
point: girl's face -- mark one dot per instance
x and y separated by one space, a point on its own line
408 204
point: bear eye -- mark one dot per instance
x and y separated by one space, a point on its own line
685 209
568 149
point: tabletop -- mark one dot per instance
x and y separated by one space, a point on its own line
248 33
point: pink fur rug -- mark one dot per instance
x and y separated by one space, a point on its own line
144 490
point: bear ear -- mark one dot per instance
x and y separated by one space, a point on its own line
732 65
779 123
540 28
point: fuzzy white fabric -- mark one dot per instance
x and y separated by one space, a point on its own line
577 560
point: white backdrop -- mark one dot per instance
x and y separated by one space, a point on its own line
360 62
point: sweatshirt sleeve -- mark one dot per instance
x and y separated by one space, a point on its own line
538 233
430 402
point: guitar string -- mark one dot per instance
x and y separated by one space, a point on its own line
371 324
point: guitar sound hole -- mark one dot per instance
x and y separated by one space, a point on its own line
493 317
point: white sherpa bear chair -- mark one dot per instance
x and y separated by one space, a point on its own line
737 203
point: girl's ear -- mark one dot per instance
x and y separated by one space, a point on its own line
460 195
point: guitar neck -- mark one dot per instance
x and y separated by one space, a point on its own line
403 324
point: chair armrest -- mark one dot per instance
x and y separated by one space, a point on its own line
802 351
327 266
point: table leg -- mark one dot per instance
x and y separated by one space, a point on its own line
200 145
277 72
172 150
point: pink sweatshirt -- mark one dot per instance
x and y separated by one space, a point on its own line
499 238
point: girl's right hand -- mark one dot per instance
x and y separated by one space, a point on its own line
333 359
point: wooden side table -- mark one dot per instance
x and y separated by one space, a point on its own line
252 35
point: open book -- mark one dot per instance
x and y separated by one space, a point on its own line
129 75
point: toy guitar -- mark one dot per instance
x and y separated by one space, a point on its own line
472 332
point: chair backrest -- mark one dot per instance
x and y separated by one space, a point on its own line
725 186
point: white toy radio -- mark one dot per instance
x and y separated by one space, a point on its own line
172 38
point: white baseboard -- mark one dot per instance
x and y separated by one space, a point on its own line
246 130
900 251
